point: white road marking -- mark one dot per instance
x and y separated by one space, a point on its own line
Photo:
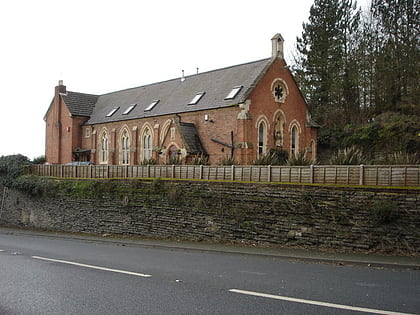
93 267
1 250
340 306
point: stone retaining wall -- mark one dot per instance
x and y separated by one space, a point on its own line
386 220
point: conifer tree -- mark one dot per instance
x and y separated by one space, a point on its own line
397 61
325 65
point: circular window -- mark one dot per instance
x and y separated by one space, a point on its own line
279 90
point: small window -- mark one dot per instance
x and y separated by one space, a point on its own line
233 93
150 107
112 112
196 98
129 109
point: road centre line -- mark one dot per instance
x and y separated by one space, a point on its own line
332 305
93 267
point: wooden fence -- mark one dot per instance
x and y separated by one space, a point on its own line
371 175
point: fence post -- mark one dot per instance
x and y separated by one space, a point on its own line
201 171
361 175
173 170
269 173
233 172
311 174
390 176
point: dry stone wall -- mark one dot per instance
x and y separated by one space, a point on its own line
386 220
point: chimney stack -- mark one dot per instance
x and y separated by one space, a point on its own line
61 88
277 47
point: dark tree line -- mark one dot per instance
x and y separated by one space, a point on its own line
359 71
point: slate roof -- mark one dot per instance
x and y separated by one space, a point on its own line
79 104
191 138
174 95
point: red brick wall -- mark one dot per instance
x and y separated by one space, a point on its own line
221 122
294 108
63 132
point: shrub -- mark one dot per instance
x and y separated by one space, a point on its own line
383 212
173 160
228 160
39 160
151 161
299 159
267 159
348 156
282 155
34 185
200 160
403 158
11 167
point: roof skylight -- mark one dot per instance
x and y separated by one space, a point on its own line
150 107
233 92
196 98
112 112
129 109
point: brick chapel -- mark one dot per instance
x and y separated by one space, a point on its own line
239 112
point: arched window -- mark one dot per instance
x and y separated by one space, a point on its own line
125 148
262 138
104 148
147 144
294 143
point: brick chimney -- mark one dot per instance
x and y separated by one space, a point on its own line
61 88
277 47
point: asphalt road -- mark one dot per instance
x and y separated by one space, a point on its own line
47 275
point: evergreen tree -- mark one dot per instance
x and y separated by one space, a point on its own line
398 54
326 67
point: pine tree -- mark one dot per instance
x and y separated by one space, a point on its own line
325 66
397 59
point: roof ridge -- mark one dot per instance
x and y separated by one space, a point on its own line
186 77
83 93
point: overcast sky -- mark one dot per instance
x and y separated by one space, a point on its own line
101 46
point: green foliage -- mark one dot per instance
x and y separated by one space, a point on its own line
267 159
325 65
348 156
34 185
403 158
11 167
282 155
173 160
151 161
390 132
383 212
360 70
299 159
39 160
158 185
228 160
200 160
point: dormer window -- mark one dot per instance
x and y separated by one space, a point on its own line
196 98
129 109
152 104
232 94
112 112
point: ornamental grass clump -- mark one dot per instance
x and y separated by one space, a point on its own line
348 156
